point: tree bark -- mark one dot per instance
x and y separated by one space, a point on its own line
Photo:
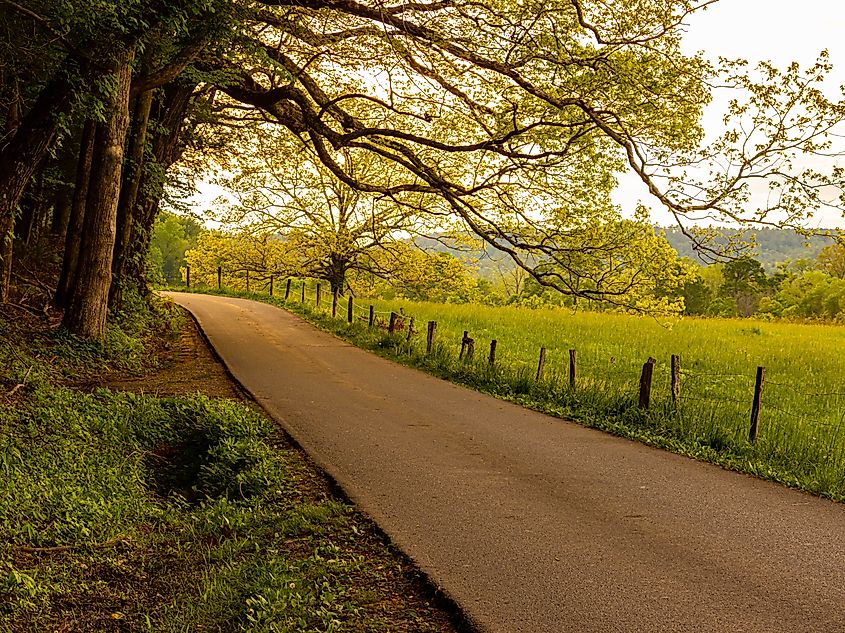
7 221
7 229
337 281
170 111
88 300
126 210
34 137
73 237
33 209
61 212
335 272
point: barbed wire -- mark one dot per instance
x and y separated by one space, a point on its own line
812 394
687 398
696 374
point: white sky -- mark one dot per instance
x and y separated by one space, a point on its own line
776 30
780 31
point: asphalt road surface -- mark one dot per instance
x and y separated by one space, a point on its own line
528 522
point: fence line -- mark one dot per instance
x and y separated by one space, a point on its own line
685 386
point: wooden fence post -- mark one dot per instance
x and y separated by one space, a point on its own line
319 289
392 327
492 358
187 276
247 281
372 316
349 310
758 400
303 292
410 329
470 349
464 340
432 332
219 277
645 383
676 381
541 365
287 290
271 285
572 353
334 304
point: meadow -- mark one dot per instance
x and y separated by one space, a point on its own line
801 436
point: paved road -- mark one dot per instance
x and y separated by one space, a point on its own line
530 523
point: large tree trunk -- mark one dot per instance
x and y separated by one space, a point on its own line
337 281
73 236
88 304
7 221
126 209
335 272
7 238
33 208
170 111
62 205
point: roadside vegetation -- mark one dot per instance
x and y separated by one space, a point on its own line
801 440
130 512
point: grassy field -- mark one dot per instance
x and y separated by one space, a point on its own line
801 426
804 395
801 439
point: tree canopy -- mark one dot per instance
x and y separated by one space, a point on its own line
510 119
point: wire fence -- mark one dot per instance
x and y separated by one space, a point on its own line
712 406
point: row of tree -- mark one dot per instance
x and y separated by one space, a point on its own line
95 106
367 121
804 288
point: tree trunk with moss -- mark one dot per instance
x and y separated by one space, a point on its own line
169 112
127 206
73 236
88 300
21 155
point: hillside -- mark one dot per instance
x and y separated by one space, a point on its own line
772 247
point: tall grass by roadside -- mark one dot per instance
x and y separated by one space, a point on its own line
128 512
801 441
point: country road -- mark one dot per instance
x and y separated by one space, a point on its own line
530 523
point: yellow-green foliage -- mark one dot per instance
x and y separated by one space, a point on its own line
255 253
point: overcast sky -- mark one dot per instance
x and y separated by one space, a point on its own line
756 30
774 30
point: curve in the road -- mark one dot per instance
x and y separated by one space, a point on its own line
528 522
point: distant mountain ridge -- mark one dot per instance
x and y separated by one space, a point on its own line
773 246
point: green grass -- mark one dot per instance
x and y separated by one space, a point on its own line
801 439
184 498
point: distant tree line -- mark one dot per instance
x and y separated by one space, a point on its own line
800 289
804 288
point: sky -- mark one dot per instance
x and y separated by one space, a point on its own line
779 31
